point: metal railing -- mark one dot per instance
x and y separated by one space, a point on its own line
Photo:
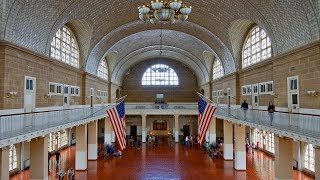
307 125
162 106
15 125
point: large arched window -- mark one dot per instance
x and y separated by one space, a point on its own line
102 70
309 158
160 74
13 162
64 47
217 69
257 47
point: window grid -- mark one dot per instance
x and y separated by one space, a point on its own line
309 158
160 74
64 47
217 70
13 162
257 47
270 142
102 70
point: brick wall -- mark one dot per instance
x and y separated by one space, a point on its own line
16 63
184 92
303 62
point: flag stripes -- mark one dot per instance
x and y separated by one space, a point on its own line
117 118
205 114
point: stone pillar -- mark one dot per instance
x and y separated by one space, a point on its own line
93 140
228 140
283 158
39 158
107 131
69 135
4 163
299 155
176 128
144 125
240 147
81 147
212 131
317 162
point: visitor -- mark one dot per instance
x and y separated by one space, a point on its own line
271 110
70 173
247 147
186 141
57 156
245 107
138 144
252 148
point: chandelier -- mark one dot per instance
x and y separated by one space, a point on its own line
164 11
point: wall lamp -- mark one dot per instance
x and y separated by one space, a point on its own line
313 93
11 94
46 96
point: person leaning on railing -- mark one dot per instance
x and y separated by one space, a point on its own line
271 110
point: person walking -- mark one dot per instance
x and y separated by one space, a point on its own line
245 107
271 110
187 141
57 156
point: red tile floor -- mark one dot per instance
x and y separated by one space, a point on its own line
165 162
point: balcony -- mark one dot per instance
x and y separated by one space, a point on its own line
25 126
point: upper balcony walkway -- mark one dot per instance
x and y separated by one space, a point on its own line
16 128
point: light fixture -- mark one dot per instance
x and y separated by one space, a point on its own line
164 11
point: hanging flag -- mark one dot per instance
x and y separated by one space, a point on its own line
117 118
205 113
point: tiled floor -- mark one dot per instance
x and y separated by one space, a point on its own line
164 162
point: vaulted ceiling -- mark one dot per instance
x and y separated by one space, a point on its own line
110 30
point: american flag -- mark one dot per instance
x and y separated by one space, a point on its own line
205 113
117 118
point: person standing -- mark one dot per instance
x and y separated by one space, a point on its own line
57 156
70 173
271 110
187 141
245 107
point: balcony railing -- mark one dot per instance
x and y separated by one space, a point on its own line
163 106
19 124
302 124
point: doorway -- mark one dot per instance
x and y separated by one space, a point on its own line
255 96
186 131
66 97
133 131
29 94
293 94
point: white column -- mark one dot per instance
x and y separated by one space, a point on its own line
283 158
299 155
39 158
240 147
228 140
317 162
4 163
93 140
107 131
81 147
176 128
144 124
212 131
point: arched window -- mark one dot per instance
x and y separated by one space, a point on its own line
309 158
13 163
102 70
270 142
160 74
64 47
257 47
217 69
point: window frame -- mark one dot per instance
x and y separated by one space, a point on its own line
160 75
13 159
217 70
253 47
307 156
